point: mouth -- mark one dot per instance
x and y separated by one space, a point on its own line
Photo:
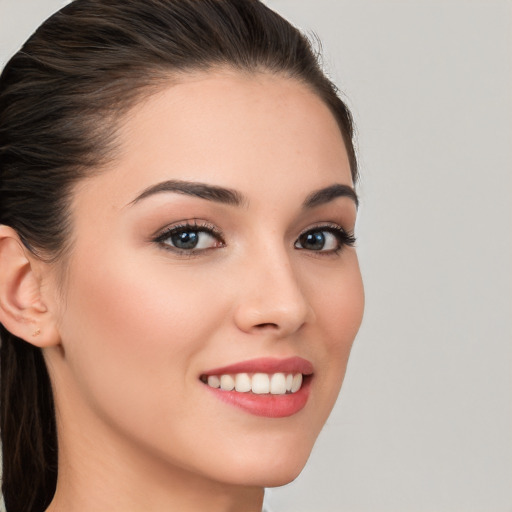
257 383
264 387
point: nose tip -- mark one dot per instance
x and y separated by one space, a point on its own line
273 302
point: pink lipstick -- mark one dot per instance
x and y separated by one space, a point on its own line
269 387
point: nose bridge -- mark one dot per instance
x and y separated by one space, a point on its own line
272 297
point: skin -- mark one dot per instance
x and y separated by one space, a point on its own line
135 324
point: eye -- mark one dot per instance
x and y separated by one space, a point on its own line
190 238
325 239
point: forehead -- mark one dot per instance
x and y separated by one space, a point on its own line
245 131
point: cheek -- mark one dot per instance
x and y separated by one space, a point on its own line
339 306
132 328
139 305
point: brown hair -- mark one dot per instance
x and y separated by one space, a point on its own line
61 96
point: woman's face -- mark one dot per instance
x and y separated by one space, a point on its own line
216 248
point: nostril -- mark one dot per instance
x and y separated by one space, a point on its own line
265 325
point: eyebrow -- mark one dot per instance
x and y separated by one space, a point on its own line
325 195
234 198
190 188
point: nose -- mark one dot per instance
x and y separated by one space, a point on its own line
271 298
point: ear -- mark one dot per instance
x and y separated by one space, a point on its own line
22 309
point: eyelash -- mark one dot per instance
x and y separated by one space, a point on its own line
185 227
343 237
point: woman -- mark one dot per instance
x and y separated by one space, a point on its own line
179 285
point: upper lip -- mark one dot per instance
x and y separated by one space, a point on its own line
266 365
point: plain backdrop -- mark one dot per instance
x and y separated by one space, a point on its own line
424 420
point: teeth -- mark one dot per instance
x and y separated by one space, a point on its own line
227 383
243 382
214 381
297 382
289 381
258 383
278 384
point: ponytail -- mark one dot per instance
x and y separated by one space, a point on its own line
28 430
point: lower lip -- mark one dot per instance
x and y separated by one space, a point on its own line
267 405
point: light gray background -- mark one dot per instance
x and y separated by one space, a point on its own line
424 422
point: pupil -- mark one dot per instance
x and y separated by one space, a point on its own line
314 241
185 240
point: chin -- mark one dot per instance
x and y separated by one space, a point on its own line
265 477
283 477
268 468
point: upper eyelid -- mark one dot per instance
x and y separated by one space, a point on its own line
192 225
326 225
330 226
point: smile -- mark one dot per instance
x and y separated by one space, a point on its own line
258 383
269 387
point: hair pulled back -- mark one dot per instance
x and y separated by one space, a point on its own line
61 97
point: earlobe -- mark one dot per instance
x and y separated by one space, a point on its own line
22 309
